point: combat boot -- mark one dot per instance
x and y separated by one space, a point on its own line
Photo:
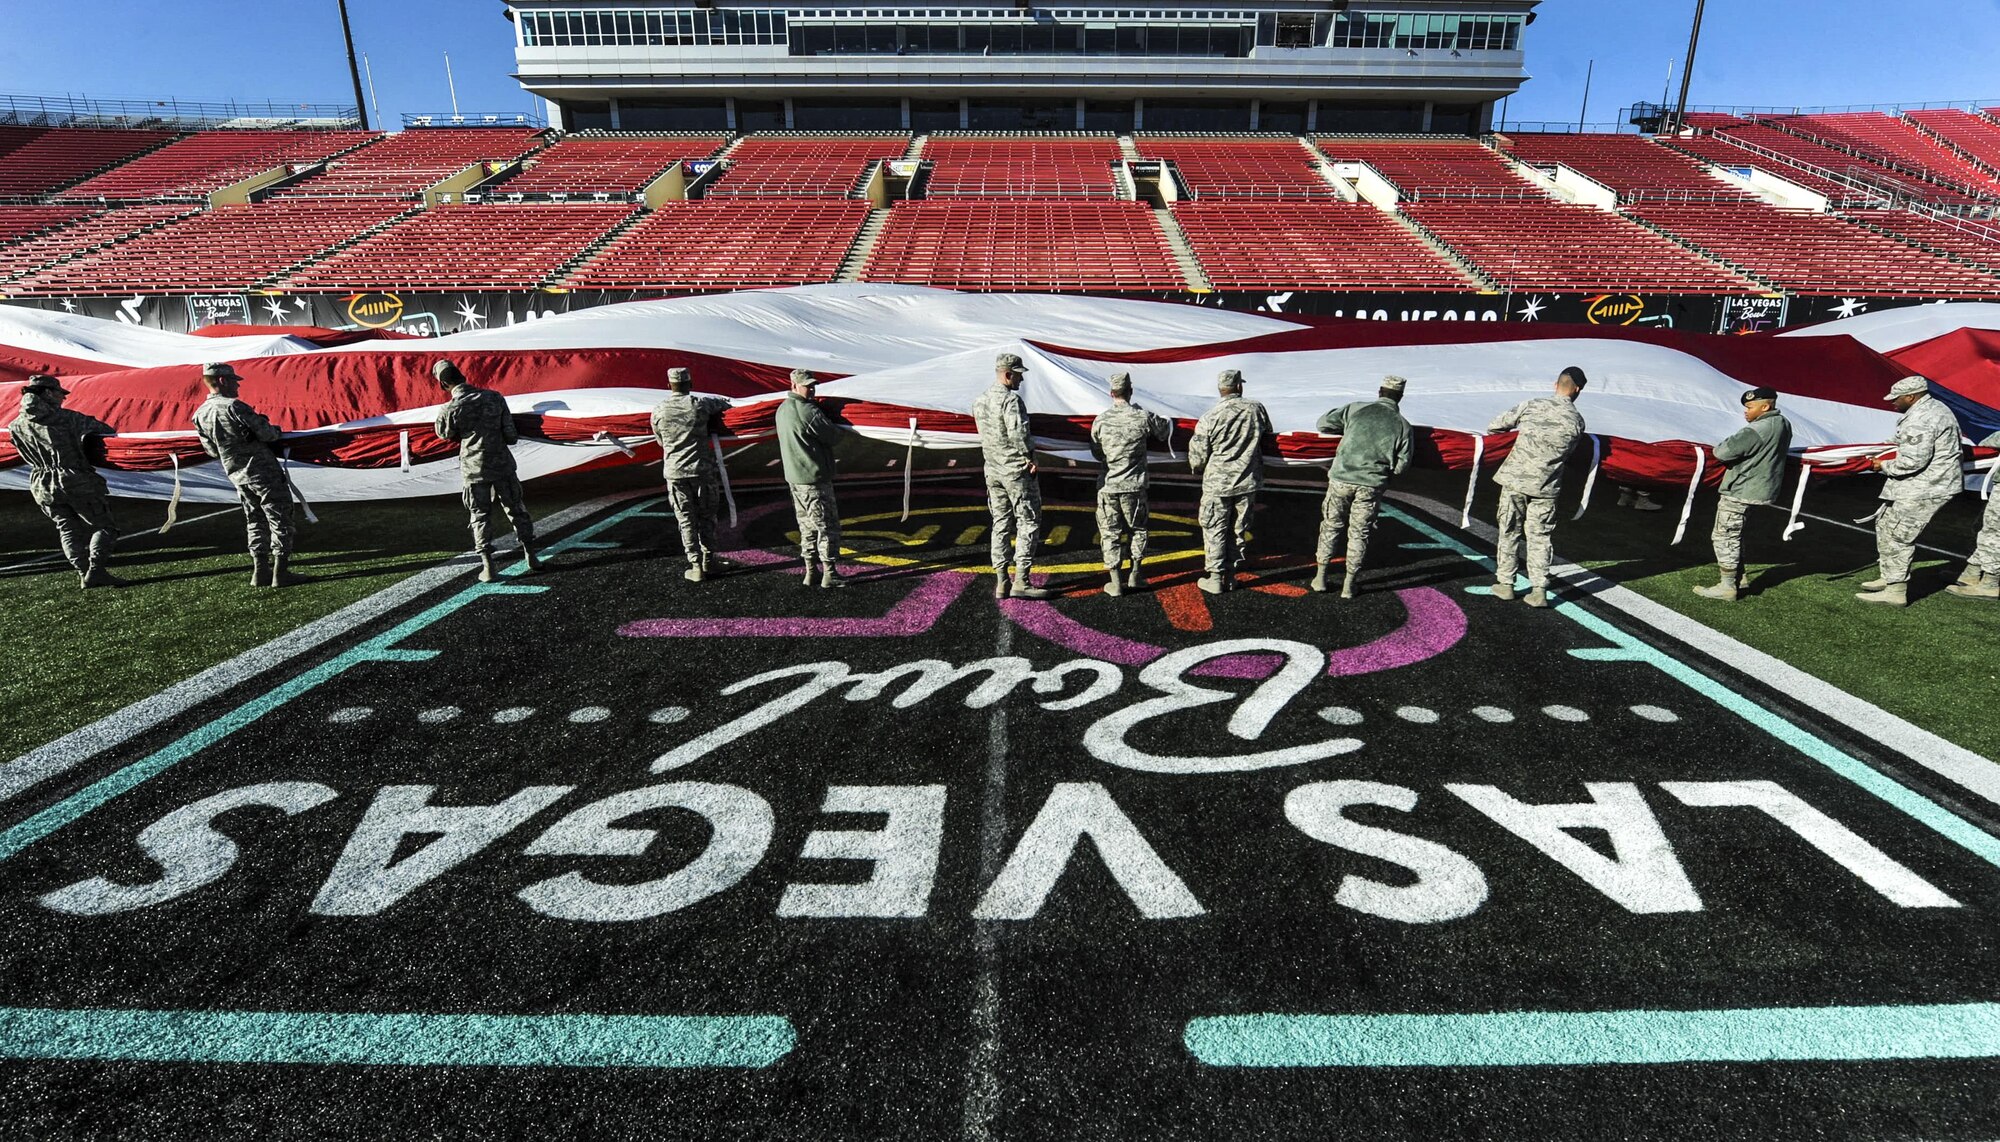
97 576
1987 588
282 576
812 575
1972 576
1874 584
1504 591
1000 587
487 571
1319 579
1725 590
260 571
528 553
829 577
1211 584
1891 595
1644 502
694 573
1113 585
1538 598
1133 580
1024 588
1347 586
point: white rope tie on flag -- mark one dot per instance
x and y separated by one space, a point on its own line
173 501
1792 523
722 466
1694 485
1171 455
403 446
285 466
604 437
909 468
1590 481
1986 489
1472 484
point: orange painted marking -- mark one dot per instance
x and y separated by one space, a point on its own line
1185 607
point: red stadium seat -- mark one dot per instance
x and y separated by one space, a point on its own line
605 164
203 163
1281 168
1809 253
1311 245
728 244
466 247
1054 246
91 233
1558 246
38 160
802 166
407 164
966 166
1634 166
1429 169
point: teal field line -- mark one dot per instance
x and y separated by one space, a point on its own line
401 1039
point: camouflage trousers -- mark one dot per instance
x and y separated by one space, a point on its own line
695 500
819 522
1987 554
488 501
1530 522
1016 506
1348 508
1121 526
1896 532
1225 532
85 526
1728 533
267 517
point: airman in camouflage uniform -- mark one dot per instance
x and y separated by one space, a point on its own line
1375 446
682 424
1981 578
62 481
806 435
241 438
1013 499
1530 479
1755 456
479 420
1227 452
1118 440
1922 477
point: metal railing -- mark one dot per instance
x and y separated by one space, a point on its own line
91 111
477 119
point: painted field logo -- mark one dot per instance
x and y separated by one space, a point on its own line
1615 309
374 310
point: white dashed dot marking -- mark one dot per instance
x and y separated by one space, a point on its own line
1566 713
1340 716
1656 713
590 714
513 714
1493 714
441 714
1417 714
351 714
667 715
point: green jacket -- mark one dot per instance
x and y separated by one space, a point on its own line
806 435
1756 458
1375 442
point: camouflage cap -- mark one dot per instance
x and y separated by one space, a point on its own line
43 383
804 377
679 378
444 372
1011 362
1908 387
219 369
1121 384
1394 384
1230 379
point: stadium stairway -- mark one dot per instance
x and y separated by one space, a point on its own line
330 251
118 223
1711 255
1445 250
856 260
1183 250
593 248
1969 243
1971 137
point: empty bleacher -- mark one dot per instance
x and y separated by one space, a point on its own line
227 248
1054 246
1719 151
727 244
465 247
1897 140
207 161
91 233
1973 241
1634 166
405 165
18 222
37 160
1311 245
964 166
1557 246
1425 170
802 166
1220 167
1823 157
605 164
1977 137
1805 252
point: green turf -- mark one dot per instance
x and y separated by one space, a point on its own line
79 655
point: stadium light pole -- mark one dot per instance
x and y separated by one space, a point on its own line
353 68
1687 71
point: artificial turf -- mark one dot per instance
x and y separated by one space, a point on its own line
80 655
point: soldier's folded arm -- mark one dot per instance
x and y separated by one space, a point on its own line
1333 422
1914 450
1739 444
259 425
1506 420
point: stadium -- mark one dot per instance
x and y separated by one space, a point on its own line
608 828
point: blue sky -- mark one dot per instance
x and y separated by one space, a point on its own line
1805 52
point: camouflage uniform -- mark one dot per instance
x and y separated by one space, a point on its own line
1530 479
240 437
1375 445
1756 455
63 482
806 435
1986 556
1118 440
478 419
1227 451
1012 496
1922 477
681 423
